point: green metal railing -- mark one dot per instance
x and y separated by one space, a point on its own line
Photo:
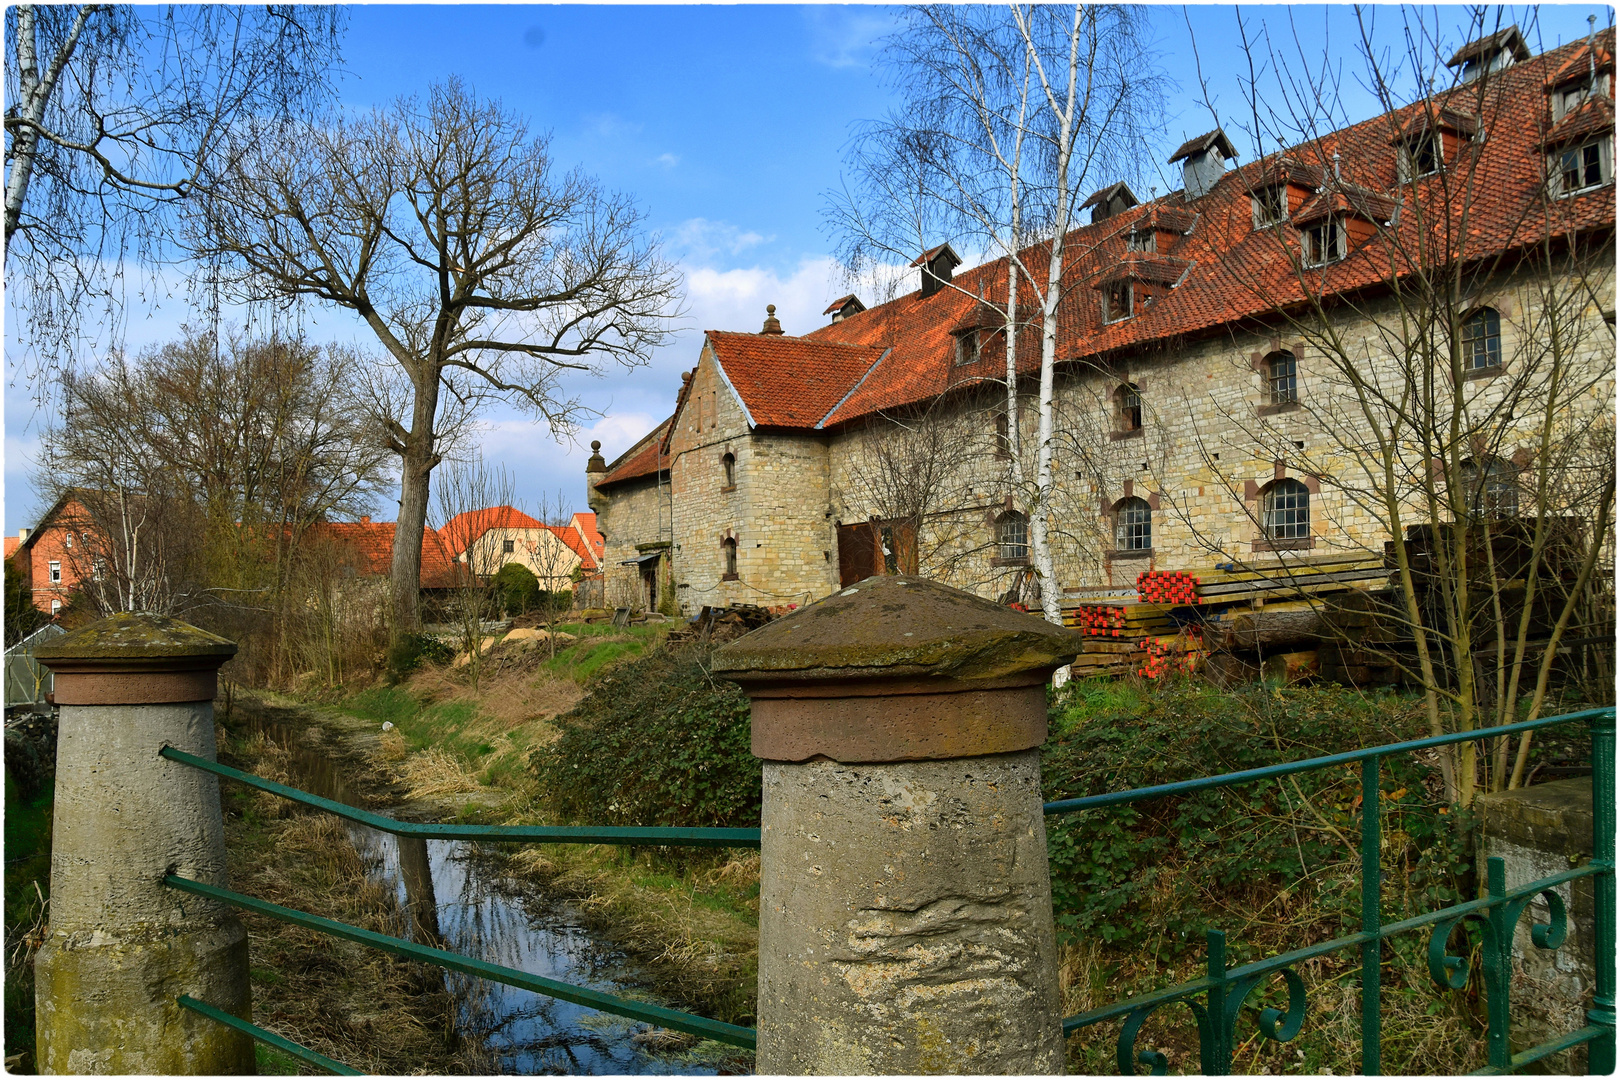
1223 991
730 1034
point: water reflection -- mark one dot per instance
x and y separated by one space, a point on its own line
458 900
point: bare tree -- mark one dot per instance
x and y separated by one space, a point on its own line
1456 369
467 498
483 271
116 114
1011 116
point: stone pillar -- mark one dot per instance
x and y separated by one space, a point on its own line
122 946
905 920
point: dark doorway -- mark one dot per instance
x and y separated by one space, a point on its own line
858 553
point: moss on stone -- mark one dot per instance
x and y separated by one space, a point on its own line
894 626
136 635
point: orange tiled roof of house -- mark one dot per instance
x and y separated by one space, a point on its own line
12 544
790 382
461 531
1236 272
645 458
369 548
585 522
576 543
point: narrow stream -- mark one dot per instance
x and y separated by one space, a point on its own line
459 900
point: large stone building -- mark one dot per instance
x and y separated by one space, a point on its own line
1287 359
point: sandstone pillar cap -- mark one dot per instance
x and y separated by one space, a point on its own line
902 628
135 658
897 669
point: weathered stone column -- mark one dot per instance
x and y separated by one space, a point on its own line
123 946
905 920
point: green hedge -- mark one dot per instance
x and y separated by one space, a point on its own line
656 741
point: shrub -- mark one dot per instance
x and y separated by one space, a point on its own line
516 588
410 651
656 741
1181 864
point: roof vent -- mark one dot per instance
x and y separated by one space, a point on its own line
1111 200
1203 162
772 325
937 264
1490 53
844 307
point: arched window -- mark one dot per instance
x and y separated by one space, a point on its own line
1012 537
1482 340
728 468
1286 510
1492 491
728 548
1133 525
1130 407
1282 373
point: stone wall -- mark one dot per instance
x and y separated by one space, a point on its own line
1538 832
775 509
1209 444
629 514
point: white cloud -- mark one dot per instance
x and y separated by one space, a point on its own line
668 161
846 35
699 240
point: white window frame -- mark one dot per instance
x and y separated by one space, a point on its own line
56 608
1555 165
55 571
1309 257
967 347
1265 213
1108 291
1408 157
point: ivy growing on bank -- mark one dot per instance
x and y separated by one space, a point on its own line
655 741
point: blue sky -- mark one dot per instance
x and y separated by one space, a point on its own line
728 125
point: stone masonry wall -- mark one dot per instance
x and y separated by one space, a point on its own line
776 510
628 514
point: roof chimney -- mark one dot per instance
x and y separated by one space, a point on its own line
844 307
1203 162
772 326
937 264
1111 200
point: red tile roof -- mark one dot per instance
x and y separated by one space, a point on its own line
1237 272
585 522
645 458
12 543
576 543
463 530
787 381
368 547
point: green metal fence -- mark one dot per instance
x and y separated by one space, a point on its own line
1216 1001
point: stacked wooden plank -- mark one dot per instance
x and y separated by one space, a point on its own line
1114 633
1184 652
1175 587
1234 582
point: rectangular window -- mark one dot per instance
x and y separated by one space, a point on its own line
1421 156
1117 301
508 546
1582 167
967 347
56 607
1324 243
1141 241
1284 378
56 570
1269 206
1130 407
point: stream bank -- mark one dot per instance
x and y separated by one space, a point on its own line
522 908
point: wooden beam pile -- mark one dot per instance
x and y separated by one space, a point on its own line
1173 587
1234 582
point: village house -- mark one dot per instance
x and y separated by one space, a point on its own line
1199 414
54 555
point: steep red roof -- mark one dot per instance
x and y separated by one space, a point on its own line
790 381
585 522
645 458
463 530
12 543
576 543
1237 272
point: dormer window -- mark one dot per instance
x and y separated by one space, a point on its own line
1421 155
1568 98
1270 205
1579 168
1323 243
967 347
1141 240
1117 300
